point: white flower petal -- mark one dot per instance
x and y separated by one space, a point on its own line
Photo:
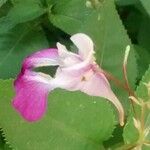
84 44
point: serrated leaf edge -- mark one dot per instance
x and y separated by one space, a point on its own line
143 78
5 139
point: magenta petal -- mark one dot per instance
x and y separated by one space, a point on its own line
46 57
32 88
31 99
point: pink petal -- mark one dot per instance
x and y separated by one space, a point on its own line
84 44
71 63
67 58
46 57
66 80
31 96
96 84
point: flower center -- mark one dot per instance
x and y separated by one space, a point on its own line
87 76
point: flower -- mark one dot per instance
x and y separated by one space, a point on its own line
75 72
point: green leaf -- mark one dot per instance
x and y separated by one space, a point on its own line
15 45
146 5
73 121
143 35
115 140
2 2
131 134
3 145
132 21
21 12
142 91
4 9
126 2
143 60
66 14
110 39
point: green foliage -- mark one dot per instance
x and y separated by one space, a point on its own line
4 9
2 2
142 91
66 15
130 132
132 136
22 11
116 139
73 121
143 35
17 44
3 145
126 2
143 60
146 5
137 25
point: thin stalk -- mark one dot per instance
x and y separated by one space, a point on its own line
131 92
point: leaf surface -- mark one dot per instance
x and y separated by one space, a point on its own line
21 12
17 44
2 2
74 121
146 5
